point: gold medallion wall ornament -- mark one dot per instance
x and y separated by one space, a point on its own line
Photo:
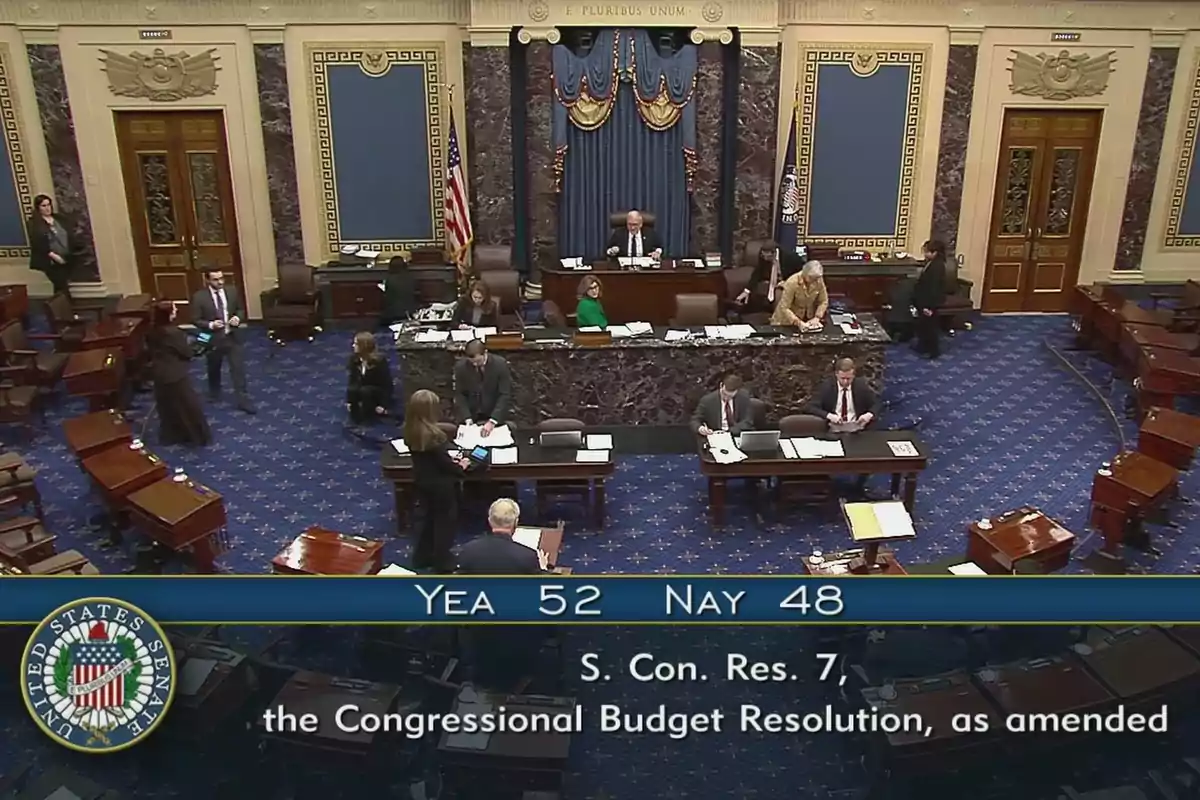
160 77
1062 76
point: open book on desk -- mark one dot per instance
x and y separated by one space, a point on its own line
882 521
471 436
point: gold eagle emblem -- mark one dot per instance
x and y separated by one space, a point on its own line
159 76
1062 76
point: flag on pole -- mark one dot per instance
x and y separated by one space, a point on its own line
459 234
788 208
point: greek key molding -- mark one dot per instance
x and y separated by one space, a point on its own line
1185 155
10 128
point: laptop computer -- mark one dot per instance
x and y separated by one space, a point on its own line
759 441
572 439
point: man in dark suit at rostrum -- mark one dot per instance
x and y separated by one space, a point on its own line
845 400
219 308
634 240
726 409
482 387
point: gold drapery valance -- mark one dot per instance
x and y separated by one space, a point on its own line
588 113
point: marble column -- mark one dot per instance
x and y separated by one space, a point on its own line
543 198
706 184
1147 148
488 76
275 108
952 153
754 186
70 195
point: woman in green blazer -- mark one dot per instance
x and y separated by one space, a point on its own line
589 313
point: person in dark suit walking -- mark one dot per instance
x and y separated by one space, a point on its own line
726 409
219 308
399 293
180 413
634 240
50 243
437 472
845 400
482 388
928 296
369 381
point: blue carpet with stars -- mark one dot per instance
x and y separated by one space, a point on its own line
1012 416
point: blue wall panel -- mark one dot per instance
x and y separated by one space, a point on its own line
12 213
1189 216
858 151
381 152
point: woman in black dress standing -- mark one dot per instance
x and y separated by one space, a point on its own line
49 243
180 414
437 473
369 381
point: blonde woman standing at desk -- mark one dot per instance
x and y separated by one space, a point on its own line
804 300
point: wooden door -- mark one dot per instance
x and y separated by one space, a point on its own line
1043 187
180 198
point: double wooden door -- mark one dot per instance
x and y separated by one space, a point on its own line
1039 216
180 198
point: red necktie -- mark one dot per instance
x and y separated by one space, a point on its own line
728 414
845 403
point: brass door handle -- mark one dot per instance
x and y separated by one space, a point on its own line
1028 249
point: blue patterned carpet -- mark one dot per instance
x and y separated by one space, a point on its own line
1012 418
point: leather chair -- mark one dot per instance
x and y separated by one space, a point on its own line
505 286
696 309
16 347
804 488
24 541
18 488
68 319
545 490
19 398
759 413
957 306
553 315
291 311
490 257
450 429
617 219
750 253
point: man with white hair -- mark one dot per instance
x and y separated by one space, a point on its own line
497 553
804 300
634 240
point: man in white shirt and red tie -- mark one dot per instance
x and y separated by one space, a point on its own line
634 240
845 402
219 308
726 409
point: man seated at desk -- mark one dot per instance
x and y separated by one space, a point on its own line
634 241
726 409
804 300
847 403
482 387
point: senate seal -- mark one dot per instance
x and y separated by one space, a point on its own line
98 675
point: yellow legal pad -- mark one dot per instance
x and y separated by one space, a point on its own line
882 521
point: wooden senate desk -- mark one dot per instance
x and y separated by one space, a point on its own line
92 433
120 471
182 516
1055 685
1165 374
866 453
114 333
322 695
534 463
1140 665
516 752
320 551
1125 492
1135 338
1019 537
351 291
215 683
646 380
96 375
1170 437
135 306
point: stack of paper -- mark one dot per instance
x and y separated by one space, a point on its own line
571 263
903 449
712 259
433 336
591 457
462 335
483 333
591 329
599 441
729 331
368 254
850 330
400 446
529 537
788 449
625 262
504 455
470 436
969 568
395 569
640 328
677 336
620 331
723 450
808 447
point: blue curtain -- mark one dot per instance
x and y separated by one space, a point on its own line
624 131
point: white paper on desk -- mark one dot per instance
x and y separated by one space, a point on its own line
640 328
694 263
365 253
809 447
642 262
599 441
401 447
903 449
396 327
571 263
849 426
969 568
591 457
395 569
381 287
483 333
529 537
504 455
620 331
434 336
789 449
471 436
850 330
739 331
461 335
723 450
625 261
591 329
714 331
676 336
893 519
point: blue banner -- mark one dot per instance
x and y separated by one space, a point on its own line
268 599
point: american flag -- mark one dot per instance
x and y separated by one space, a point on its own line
458 216
92 660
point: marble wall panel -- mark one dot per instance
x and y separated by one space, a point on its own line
543 200
276 111
706 184
1143 169
758 107
489 142
70 196
952 153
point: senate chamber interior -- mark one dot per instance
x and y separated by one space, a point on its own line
694 287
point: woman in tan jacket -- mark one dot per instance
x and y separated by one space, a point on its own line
804 300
